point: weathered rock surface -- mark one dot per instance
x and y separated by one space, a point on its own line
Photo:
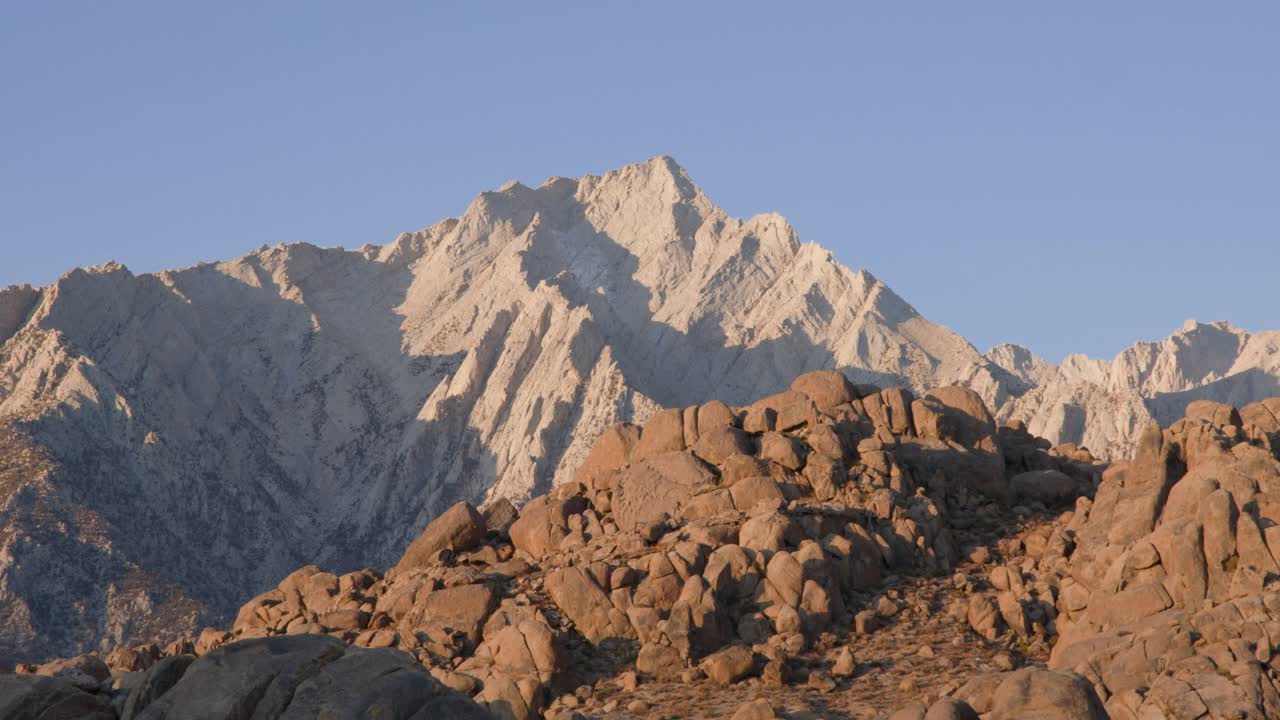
1037 694
306 676
171 444
668 567
1157 594
459 528
1163 588
201 432
1104 405
303 404
33 697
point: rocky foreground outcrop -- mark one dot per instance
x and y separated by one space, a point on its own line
831 551
834 546
294 677
1171 601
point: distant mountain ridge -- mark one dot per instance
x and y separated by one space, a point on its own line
1104 405
172 443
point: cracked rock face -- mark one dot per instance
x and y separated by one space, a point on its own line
173 443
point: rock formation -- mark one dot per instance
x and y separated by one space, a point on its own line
173 443
202 431
714 549
1164 587
1171 601
833 546
1104 406
287 677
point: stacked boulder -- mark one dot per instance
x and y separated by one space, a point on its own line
713 542
1166 585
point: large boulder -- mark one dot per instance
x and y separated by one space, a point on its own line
663 433
827 388
84 671
770 532
752 491
527 648
543 523
729 665
379 683
614 449
306 676
514 666
1038 694
1213 413
950 709
955 413
499 515
37 697
785 450
715 414
758 709
896 403
157 681
459 528
1046 486
661 661
240 679
1262 415
721 443
657 487
461 609
582 599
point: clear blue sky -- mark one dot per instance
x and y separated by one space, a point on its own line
1070 176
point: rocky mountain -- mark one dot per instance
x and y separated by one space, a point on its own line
833 550
173 443
176 441
1105 405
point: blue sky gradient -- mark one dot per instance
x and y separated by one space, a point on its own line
1071 176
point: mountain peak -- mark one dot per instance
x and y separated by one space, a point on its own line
665 164
1192 325
661 176
1019 361
668 162
478 358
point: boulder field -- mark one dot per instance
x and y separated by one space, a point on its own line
835 550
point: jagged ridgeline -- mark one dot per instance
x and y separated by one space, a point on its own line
174 443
